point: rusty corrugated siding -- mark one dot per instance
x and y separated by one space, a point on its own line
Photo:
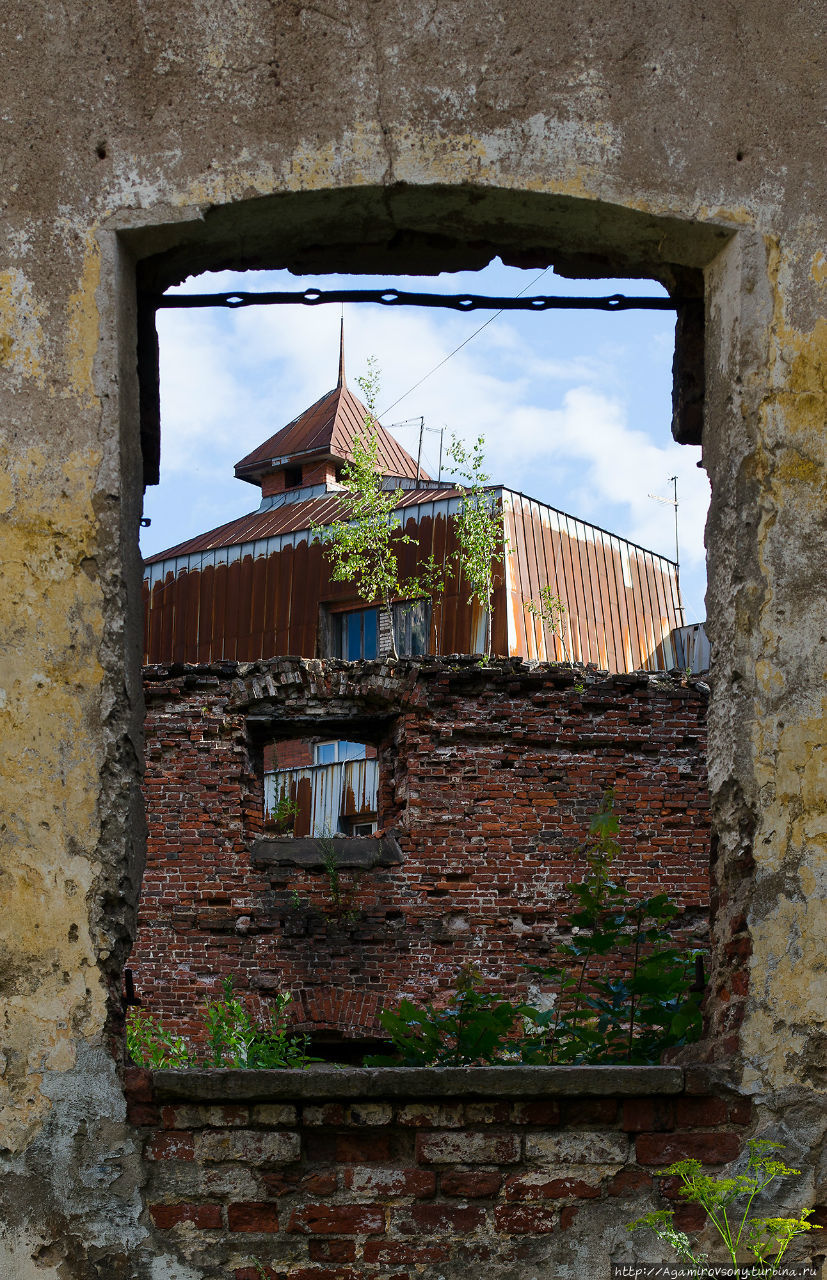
621 600
259 596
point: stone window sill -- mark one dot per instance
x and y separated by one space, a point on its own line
306 851
323 1083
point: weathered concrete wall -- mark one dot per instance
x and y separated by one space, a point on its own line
601 136
488 780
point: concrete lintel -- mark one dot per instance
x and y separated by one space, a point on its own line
306 851
323 1082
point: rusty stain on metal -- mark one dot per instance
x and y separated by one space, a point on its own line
252 589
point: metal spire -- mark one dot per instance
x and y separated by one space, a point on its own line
341 382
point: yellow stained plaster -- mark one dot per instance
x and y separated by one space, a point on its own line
739 215
49 716
359 159
789 963
83 324
818 270
422 158
789 980
21 328
308 168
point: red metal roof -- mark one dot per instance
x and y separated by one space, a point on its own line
292 517
328 427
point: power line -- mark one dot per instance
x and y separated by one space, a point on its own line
489 321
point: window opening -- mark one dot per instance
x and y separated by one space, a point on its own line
360 816
320 787
578 443
412 627
355 635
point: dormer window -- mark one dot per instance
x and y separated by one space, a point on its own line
292 477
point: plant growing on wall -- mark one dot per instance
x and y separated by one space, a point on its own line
765 1240
340 894
552 612
622 987
283 814
233 1038
622 994
478 526
474 1027
150 1044
363 544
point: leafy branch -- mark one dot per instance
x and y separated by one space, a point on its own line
621 986
363 543
478 526
552 612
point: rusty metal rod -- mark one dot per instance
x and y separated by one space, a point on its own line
397 297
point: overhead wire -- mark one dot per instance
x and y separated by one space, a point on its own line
436 367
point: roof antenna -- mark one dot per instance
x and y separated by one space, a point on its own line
341 382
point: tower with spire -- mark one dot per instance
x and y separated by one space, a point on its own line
309 452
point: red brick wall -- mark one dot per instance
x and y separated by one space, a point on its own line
272 483
319 473
397 1187
489 778
297 753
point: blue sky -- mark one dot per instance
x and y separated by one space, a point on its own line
574 406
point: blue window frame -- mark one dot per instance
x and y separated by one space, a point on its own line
338 750
355 635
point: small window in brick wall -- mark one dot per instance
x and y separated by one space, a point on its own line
321 787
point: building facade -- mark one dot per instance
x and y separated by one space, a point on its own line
260 586
485 780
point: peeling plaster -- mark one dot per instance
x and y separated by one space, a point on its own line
82 325
788 973
45 942
21 329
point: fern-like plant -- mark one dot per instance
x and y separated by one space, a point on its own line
765 1240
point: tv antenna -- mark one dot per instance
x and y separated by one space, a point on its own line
672 502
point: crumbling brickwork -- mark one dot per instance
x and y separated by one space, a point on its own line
324 1179
488 779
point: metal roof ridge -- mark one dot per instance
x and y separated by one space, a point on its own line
517 493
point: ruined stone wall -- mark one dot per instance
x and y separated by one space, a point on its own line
489 777
364 1175
141 142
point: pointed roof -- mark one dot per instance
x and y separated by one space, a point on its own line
326 430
